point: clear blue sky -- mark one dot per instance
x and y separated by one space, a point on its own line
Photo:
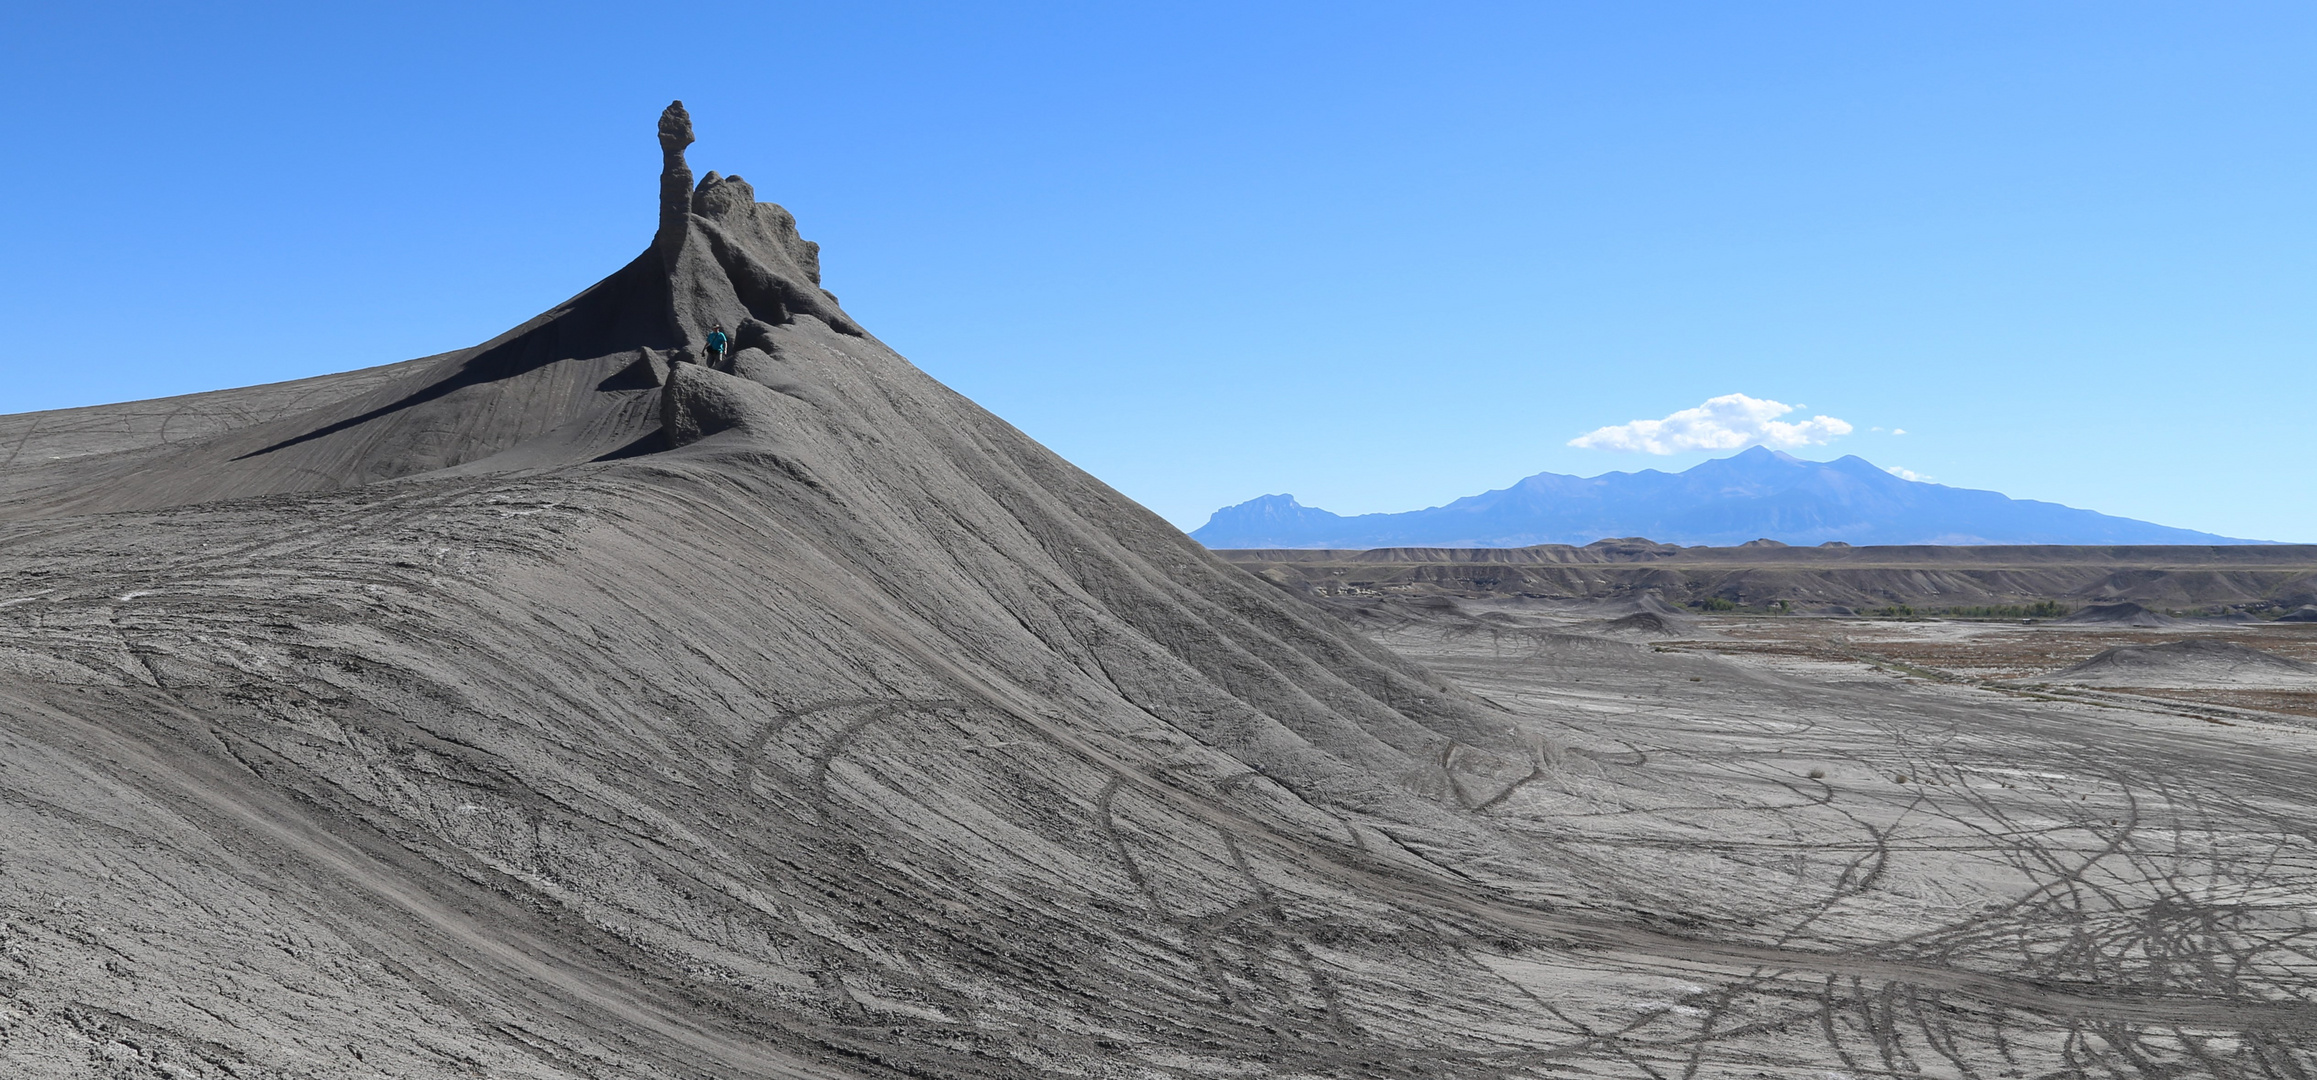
1378 256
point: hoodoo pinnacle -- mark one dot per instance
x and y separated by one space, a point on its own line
675 181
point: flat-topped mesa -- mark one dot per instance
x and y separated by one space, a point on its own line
728 257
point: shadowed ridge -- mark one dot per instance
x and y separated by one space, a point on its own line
36 438
606 317
575 384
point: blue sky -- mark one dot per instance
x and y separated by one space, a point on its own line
1378 256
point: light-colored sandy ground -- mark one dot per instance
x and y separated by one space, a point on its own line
2098 845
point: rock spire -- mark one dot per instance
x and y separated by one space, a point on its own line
675 180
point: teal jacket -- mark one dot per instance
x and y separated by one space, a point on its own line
716 341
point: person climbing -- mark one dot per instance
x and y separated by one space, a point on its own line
716 340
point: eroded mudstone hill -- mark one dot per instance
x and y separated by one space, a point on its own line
2273 577
2196 662
567 707
562 704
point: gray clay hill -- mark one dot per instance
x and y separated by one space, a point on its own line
567 706
2196 662
2125 613
562 704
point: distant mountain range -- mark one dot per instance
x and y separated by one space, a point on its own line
1757 494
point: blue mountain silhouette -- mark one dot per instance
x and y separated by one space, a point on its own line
1757 494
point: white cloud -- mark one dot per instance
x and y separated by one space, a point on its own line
1724 423
1898 431
1906 474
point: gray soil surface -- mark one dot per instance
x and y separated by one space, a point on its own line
1649 624
2123 614
2276 577
37 438
2198 662
565 707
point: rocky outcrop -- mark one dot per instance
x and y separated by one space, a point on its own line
699 401
572 385
728 258
649 370
675 182
751 363
770 269
754 334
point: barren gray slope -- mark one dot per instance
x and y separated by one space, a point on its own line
2196 575
594 711
2122 614
37 438
2197 662
557 376
859 735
